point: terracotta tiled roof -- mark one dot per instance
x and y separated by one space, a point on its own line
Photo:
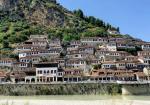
7 59
103 72
18 74
71 69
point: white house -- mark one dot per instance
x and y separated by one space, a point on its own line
72 47
131 64
86 49
7 62
48 72
146 46
24 54
109 65
113 32
93 41
76 63
112 46
143 53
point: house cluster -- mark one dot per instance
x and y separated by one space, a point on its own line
89 59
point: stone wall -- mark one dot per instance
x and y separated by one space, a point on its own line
136 89
59 89
74 89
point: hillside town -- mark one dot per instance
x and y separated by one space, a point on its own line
93 59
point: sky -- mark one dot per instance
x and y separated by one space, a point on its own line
132 16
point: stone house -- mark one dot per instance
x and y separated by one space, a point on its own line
112 75
7 62
109 65
143 53
94 41
76 63
112 46
72 47
125 45
72 75
146 46
55 42
86 49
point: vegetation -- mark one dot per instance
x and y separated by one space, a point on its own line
94 21
132 51
21 20
97 66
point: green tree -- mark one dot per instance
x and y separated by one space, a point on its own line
79 13
99 22
5 44
108 26
96 67
118 29
92 20
15 56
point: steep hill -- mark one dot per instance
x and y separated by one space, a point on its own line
21 18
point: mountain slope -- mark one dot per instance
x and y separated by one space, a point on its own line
21 18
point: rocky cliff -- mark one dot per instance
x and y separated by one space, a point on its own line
21 18
42 12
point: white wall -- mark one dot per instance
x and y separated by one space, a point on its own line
47 69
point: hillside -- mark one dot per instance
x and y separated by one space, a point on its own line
21 18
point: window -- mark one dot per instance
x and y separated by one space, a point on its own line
51 71
55 71
76 55
44 71
82 62
39 72
60 74
48 72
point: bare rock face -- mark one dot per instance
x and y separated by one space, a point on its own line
7 4
3 3
42 12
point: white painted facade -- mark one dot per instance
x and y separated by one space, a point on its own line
7 63
23 54
93 41
111 47
146 46
48 74
108 66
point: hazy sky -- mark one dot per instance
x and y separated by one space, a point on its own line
132 16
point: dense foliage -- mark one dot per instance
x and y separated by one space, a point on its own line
94 21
